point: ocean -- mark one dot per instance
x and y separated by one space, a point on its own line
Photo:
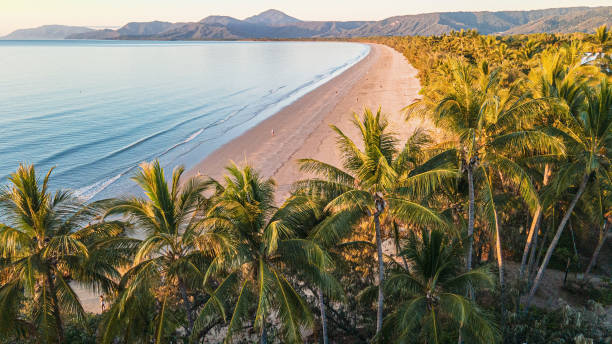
95 110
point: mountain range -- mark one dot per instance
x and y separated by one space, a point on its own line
47 32
273 24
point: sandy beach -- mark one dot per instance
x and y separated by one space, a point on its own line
383 79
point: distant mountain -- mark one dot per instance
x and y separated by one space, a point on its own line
220 20
505 22
273 24
47 32
272 18
144 29
583 21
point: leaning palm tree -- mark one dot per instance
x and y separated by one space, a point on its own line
375 181
492 126
171 260
588 137
430 294
268 252
561 86
600 201
47 241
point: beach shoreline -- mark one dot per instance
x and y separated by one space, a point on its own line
383 78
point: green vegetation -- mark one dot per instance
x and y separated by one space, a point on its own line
409 241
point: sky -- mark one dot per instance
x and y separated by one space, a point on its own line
18 14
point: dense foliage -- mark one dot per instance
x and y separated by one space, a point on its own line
408 241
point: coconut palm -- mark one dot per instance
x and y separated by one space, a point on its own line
268 252
171 260
430 294
375 180
602 40
561 86
47 241
492 127
588 137
600 201
309 219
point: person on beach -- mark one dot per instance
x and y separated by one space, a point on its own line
272 132
102 302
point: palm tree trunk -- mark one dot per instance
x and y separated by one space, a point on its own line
56 312
323 316
602 238
535 227
534 262
498 251
555 240
381 273
187 305
532 254
470 217
264 333
398 248
530 245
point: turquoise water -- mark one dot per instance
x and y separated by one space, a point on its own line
96 109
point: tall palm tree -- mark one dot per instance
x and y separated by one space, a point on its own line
602 213
48 240
588 137
602 40
268 251
430 295
173 257
309 218
492 127
375 180
561 86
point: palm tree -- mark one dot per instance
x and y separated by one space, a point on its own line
493 129
174 255
588 137
603 212
602 39
375 180
309 218
560 85
47 241
268 251
430 295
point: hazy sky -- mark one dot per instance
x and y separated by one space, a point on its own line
16 14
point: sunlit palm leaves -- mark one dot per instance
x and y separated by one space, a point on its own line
430 296
588 136
173 258
47 241
378 180
268 248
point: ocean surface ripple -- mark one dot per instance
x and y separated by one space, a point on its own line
97 109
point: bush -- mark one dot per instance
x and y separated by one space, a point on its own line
564 325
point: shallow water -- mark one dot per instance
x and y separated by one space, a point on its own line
96 109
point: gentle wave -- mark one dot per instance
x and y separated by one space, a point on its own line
288 98
141 104
88 192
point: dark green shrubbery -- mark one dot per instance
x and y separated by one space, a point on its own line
563 325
